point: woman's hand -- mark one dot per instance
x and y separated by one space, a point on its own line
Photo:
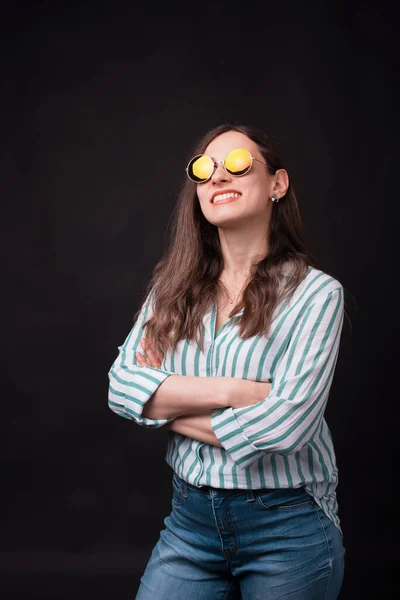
149 357
197 427
244 392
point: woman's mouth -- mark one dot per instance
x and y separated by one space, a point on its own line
225 197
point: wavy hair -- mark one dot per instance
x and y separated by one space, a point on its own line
185 282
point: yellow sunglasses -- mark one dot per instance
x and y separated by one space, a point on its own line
237 162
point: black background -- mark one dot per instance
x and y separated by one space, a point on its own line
100 105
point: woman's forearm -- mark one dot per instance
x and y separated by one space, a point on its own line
197 427
182 395
179 395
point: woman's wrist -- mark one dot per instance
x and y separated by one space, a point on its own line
245 392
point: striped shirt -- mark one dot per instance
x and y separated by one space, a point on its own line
282 441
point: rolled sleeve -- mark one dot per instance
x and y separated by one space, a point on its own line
288 418
131 385
233 438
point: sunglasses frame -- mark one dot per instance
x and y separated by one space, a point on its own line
222 162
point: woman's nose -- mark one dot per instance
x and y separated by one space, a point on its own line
220 174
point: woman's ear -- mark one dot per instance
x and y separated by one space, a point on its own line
281 182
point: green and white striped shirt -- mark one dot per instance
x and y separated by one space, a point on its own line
282 441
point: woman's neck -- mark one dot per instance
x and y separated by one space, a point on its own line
240 251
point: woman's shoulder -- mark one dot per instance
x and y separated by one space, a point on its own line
314 277
316 286
318 283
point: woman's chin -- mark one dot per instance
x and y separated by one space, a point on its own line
227 223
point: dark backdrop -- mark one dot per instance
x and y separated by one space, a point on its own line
100 104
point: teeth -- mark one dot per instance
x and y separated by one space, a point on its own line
220 197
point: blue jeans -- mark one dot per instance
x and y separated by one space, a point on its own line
244 544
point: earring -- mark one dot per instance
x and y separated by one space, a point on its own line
274 198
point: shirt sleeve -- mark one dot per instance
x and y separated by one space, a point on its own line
131 385
287 419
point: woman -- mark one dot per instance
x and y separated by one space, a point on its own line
234 351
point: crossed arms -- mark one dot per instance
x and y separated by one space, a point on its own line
245 417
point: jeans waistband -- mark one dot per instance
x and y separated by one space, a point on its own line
212 491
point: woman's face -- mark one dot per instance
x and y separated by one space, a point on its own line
251 192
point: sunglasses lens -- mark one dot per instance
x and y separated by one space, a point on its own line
238 161
200 168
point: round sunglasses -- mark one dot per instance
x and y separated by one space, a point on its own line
237 162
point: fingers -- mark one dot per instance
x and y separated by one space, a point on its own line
141 359
153 356
149 358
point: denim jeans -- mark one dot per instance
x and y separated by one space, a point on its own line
244 544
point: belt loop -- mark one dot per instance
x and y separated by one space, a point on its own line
250 495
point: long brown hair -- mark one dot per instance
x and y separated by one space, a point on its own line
185 281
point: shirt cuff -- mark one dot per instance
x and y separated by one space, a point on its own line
233 439
154 378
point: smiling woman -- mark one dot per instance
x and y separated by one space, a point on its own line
227 183
234 351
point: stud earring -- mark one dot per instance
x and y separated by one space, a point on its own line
274 198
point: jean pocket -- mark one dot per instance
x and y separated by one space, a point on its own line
284 499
